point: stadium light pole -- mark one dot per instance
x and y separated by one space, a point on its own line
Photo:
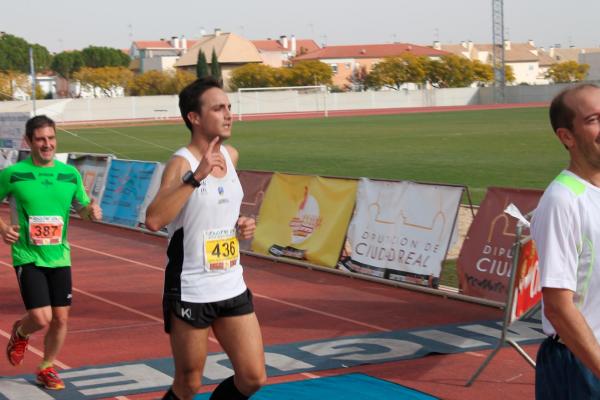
32 71
498 50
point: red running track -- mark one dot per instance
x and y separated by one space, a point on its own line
116 316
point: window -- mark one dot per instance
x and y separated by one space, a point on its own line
334 68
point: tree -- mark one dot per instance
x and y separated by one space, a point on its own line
201 65
393 72
153 83
106 79
482 73
181 79
251 76
67 62
215 68
12 81
509 74
283 76
308 73
358 81
568 71
98 57
14 54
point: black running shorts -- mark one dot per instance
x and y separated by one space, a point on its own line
202 315
44 286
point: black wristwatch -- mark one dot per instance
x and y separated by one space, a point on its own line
189 179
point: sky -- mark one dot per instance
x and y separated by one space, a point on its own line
74 24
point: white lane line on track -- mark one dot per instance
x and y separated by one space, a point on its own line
353 321
37 352
117 257
121 306
114 328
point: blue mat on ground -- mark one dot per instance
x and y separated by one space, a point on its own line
103 381
342 387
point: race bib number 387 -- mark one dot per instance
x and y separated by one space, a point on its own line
221 249
45 230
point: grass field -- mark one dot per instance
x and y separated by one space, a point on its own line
509 147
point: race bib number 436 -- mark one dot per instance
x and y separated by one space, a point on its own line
45 230
221 249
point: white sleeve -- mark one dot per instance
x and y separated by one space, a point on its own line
555 228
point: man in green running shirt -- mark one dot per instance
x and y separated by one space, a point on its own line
42 191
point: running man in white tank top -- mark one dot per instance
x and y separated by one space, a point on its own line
199 201
566 230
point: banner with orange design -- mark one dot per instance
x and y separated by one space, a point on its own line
527 290
401 230
305 217
486 257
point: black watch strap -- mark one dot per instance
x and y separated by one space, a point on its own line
188 178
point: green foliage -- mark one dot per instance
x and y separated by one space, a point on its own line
393 72
181 79
215 67
311 72
67 62
104 78
11 81
153 83
482 73
251 76
451 71
14 54
98 57
41 57
509 74
201 65
305 73
568 71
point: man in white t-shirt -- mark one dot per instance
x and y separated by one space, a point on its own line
566 230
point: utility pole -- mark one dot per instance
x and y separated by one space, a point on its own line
498 50
32 72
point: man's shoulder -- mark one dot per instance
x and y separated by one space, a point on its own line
18 167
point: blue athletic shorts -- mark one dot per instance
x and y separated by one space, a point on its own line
560 375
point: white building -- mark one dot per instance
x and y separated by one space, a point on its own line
158 55
278 53
529 64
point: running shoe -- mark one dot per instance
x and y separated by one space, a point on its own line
49 379
15 350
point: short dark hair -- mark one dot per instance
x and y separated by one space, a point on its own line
189 98
39 121
561 115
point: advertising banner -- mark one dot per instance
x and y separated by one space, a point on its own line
12 129
255 185
527 291
305 217
151 193
485 260
8 157
126 187
401 230
93 170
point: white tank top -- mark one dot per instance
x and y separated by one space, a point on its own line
215 205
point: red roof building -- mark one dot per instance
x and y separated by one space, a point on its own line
347 60
277 53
